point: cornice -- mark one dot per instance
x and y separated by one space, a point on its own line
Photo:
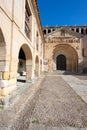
36 9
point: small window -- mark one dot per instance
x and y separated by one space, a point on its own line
82 31
86 30
77 30
83 52
37 41
44 32
54 29
49 31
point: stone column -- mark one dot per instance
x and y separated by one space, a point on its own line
37 69
28 69
33 68
74 29
79 30
72 65
43 57
46 31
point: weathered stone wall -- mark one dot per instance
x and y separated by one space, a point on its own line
12 39
68 46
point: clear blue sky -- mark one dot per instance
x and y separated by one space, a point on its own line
63 12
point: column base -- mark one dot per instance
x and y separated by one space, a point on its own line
6 89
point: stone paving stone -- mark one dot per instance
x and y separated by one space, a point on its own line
62 128
17 115
2 128
54 106
59 106
36 127
53 128
78 85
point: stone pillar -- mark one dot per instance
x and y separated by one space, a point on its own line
40 66
46 31
50 65
51 29
8 79
79 30
33 68
74 29
72 65
37 69
28 69
43 57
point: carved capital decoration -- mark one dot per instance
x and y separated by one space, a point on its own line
62 40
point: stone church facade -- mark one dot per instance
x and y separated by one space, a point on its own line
27 49
66 48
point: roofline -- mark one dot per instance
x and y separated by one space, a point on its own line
65 26
73 33
36 8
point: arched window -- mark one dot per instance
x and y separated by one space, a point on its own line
77 30
72 29
49 30
37 41
86 30
44 32
54 29
82 31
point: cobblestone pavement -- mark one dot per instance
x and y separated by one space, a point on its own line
17 115
79 86
58 107
50 104
81 77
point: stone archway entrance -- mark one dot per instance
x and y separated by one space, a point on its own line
25 63
3 52
22 63
61 62
37 66
65 58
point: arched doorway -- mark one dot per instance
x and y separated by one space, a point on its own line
65 58
2 52
37 66
25 63
40 66
61 62
22 63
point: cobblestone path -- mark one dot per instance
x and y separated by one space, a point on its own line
58 106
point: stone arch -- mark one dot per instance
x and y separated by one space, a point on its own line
25 61
71 56
86 30
2 52
82 31
40 66
37 66
77 30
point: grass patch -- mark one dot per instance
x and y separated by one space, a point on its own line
82 99
35 122
85 124
1 107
